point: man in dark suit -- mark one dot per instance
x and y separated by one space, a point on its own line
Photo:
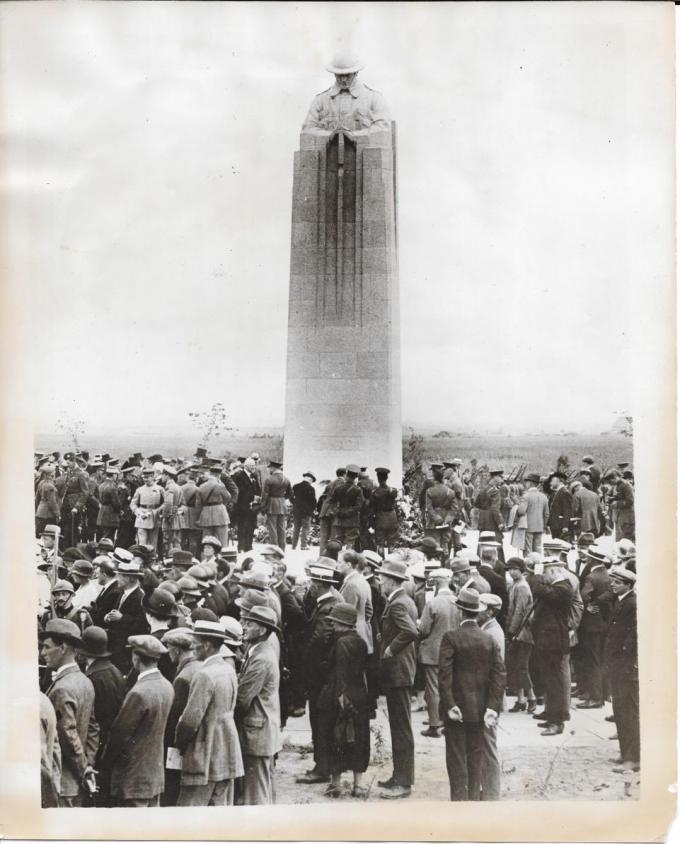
325 597
304 504
496 581
622 663
552 603
127 618
111 591
249 489
135 749
559 520
471 684
399 634
109 691
592 633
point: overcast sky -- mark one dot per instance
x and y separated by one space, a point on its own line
150 151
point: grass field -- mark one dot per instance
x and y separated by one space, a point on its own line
539 452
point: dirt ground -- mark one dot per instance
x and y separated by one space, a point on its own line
573 766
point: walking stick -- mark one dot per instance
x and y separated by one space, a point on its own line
54 569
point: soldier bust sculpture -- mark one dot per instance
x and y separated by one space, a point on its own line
348 105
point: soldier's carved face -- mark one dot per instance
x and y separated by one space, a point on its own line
344 80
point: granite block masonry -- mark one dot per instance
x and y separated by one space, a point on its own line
343 402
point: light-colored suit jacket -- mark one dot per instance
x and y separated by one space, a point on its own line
257 707
206 732
50 753
356 591
135 749
72 696
439 616
538 510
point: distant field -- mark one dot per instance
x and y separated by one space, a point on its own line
540 452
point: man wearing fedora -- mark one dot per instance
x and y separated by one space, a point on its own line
135 749
324 596
519 638
127 618
348 104
304 504
471 685
399 633
550 630
109 691
206 734
160 611
257 707
72 695
621 658
537 513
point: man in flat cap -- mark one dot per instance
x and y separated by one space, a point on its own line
135 749
347 105
72 696
206 734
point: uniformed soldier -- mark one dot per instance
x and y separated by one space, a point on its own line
46 499
348 499
173 507
74 490
108 517
211 502
440 510
146 505
384 507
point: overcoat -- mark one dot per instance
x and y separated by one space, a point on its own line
135 752
206 731
109 691
597 595
72 696
356 591
440 615
550 627
258 709
212 499
109 505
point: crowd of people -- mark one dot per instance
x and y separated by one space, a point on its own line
171 658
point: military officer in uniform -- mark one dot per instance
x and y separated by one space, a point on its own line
211 502
383 502
74 489
108 517
275 491
146 505
349 500
47 500
173 506
440 510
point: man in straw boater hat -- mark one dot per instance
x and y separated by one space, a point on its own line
397 673
440 615
206 734
135 749
325 597
258 710
598 599
471 684
622 664
72 696
109 691
550 629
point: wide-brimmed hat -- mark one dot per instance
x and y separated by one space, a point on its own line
255 580
212 540
50 530
597 554
251 598
344 614
533 478
106 545
131 569
394 568
429 543
488 537
344 63
63 628
373 559
147 645
468 599
458 565
182 559
262 615
94 642
208 630
144 552
233 631
161 603
586 539
561 546
322 574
